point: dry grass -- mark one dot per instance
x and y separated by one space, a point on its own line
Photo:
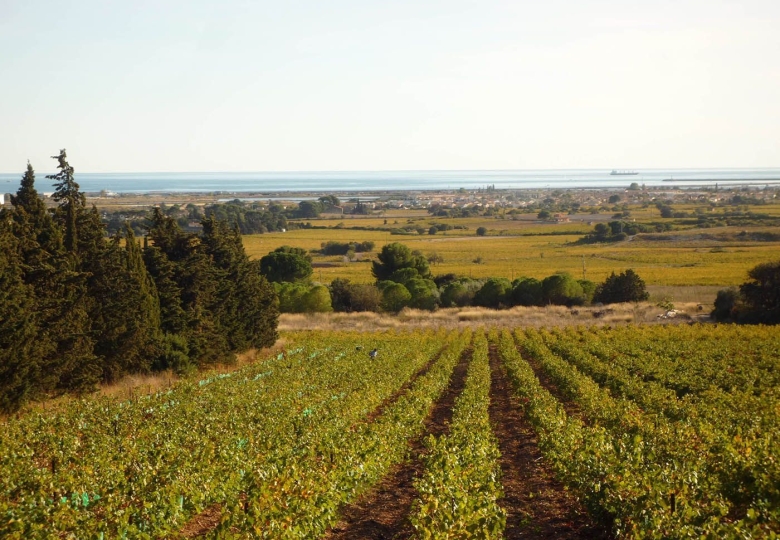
133 385
140 384
550 316
692 294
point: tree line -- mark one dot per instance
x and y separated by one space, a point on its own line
79 307
404 279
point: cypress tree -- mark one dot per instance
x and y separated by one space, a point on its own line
65 360
40 240
124 312
71 200
162 271
198 281
20 349
247 307
78 368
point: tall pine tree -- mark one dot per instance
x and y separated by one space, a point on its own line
71 200
79 369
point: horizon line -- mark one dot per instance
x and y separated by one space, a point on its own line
639 170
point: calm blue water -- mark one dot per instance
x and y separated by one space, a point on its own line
269 182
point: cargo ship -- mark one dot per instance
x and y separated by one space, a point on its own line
616 172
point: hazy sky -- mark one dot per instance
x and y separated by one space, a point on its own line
377 85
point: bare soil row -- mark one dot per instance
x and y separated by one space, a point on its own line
537 505
383 513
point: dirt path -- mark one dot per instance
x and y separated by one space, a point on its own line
537 505
571 408
379 411
382 514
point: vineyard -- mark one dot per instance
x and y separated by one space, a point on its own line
641 432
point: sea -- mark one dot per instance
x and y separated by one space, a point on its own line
368 181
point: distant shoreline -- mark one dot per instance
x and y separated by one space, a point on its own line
277 184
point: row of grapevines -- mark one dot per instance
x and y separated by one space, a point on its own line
609 471
721 390
603 362
142 468
681 495
736 441
460 486
693 359
300 496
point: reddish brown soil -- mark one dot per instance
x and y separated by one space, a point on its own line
537 505
383 513
373 415
209 518
571 408
203 523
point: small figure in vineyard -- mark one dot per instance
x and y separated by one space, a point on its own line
372 354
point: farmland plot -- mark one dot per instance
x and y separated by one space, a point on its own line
631 432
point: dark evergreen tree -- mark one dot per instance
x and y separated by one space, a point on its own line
77 307
727 305
71 201
20 349
67 362
625 287
245 305
73 363
198 282
125 312
762 293
39 238
173 318
341 295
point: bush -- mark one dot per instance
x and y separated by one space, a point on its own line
481 231
342 248
286 264
527 292
762 293
726 305
395 297
303 298
588 290
174 355
424 294
625 287
493 293
562 289
459 293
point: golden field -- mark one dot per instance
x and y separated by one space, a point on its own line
525 247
